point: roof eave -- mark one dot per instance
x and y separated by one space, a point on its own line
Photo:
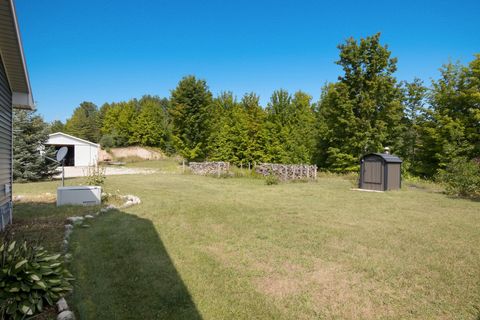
21 100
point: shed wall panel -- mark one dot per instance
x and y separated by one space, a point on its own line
85 155
393 176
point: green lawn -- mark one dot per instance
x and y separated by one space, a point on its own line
200 247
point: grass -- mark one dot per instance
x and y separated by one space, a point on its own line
168 165
201 247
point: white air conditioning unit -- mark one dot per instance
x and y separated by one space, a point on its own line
79 195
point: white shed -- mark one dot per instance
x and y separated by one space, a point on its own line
81 153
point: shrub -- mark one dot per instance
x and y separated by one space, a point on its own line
29 278
96 176
461 177
107 141
271 179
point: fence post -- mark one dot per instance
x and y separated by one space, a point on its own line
218 169
308 172
183 166
315 168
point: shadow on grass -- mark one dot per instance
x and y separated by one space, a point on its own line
123 271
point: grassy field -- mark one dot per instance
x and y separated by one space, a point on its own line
207 248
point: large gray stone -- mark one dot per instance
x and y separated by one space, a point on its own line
62 305
66 315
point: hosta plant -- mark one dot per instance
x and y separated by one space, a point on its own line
30 278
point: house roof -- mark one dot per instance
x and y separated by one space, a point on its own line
389 158
72 137
11 51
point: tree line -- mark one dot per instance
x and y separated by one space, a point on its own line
367 109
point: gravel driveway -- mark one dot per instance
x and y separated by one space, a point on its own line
71 172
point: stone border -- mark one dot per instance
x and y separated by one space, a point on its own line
64 312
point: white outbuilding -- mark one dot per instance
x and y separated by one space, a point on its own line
81 153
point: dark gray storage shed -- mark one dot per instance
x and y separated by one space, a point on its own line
380 171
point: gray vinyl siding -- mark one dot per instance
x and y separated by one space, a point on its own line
5 148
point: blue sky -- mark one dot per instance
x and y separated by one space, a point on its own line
104 51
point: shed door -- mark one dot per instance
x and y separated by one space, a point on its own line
373 175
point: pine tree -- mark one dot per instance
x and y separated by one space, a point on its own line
30 133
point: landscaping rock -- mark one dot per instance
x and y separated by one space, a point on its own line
66 315
18 198
131 200
75 220
89 216
62 305
108 208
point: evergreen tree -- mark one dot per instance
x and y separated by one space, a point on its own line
191 104
84 122
30 133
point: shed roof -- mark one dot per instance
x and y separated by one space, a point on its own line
389 158
71 137
13 59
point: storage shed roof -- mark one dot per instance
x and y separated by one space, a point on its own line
70 137
388 158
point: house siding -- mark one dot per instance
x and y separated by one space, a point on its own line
5 149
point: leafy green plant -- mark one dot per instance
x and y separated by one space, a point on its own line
271 179
96 176
461 177
29 278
